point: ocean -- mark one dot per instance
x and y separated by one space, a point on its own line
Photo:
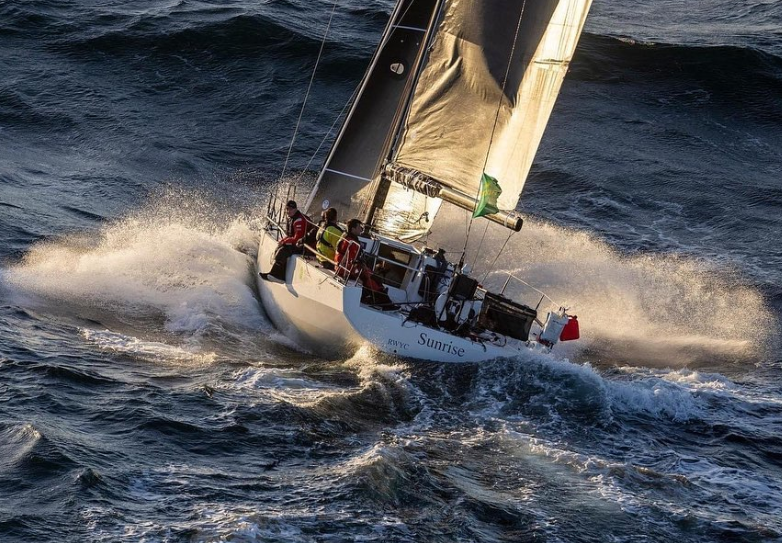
145 396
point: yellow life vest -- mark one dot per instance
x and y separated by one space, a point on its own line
328 238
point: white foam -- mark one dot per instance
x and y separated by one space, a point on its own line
654 397
288 385
17 442
152 351
292 386
168 259
651 394
370 366
666 307
646 392
691 379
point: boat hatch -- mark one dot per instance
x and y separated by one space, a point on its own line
394 265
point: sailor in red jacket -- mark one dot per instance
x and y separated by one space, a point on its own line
292 243
297 225
351 267
347 251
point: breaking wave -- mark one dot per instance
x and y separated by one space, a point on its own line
178 259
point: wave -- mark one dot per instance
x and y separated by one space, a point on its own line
596 52
243 35
359 394
235 38
728 74
18 110
152 351
28 453
28 18
562 393
176 258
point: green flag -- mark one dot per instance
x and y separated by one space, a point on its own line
487 197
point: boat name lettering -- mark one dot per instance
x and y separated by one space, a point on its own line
423 339
398 344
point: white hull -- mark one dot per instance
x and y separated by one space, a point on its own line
309 306
316 310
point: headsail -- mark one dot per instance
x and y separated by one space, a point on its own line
346 181
450 133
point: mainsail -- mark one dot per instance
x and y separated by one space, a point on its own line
365 138
487 89
458 89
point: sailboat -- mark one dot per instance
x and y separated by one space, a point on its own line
449 113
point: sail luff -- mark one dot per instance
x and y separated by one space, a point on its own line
379 189
362 86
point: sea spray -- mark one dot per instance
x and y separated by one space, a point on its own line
181 256
652 308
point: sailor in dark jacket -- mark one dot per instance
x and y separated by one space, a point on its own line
290 244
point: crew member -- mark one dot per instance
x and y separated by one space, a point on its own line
290 244
347 251
329 235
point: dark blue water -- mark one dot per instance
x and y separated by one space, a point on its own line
145 397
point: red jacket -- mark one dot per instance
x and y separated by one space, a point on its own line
347 252
297 228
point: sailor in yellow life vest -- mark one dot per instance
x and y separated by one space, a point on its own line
329 234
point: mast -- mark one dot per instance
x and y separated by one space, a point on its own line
382 184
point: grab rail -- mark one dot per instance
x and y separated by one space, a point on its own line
542 294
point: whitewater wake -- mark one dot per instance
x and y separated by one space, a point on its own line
188 260
649 309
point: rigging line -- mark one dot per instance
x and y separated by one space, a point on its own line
488 271
328 133
504 83
485 229
309 88
499 108
549 298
